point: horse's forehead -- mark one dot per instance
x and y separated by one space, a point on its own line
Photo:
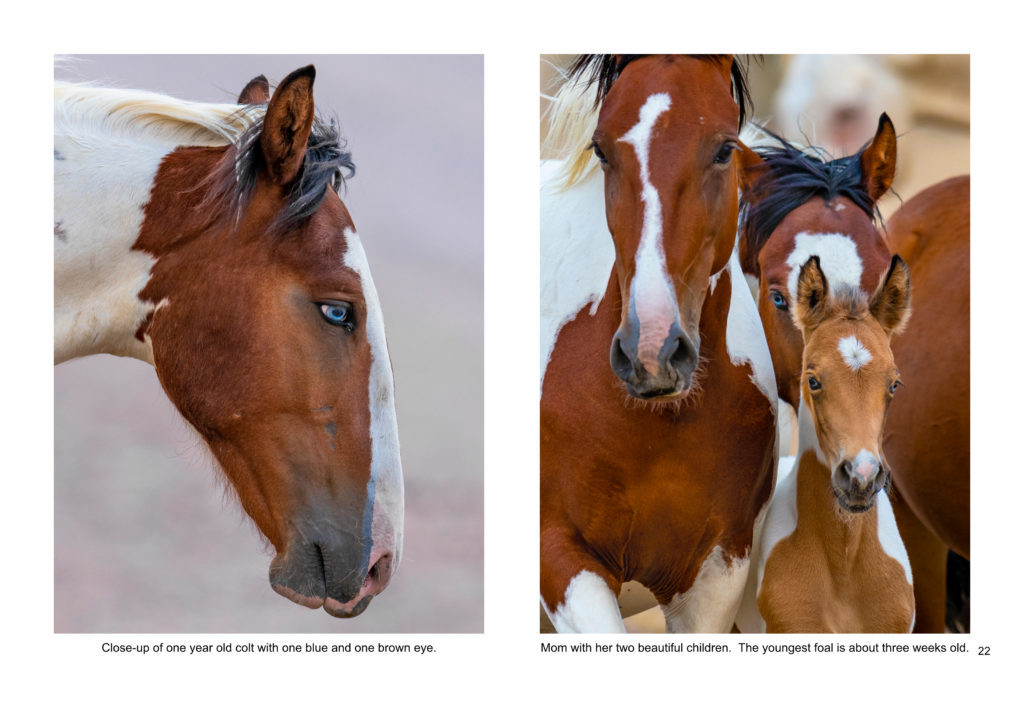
688 83
852 347
849 247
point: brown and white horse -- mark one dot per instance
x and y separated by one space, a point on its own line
799 205
658 400
210 241
831 559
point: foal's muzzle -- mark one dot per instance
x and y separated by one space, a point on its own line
856 482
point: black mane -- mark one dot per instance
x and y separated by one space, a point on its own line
327 164
604 69
793 177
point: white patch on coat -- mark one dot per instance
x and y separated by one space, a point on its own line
744 334
854 352
589 607
108 145
576 252
650 290
889 535
386 487
710 605
840 262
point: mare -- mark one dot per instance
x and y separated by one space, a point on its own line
831 559
210 241
797 205
657 435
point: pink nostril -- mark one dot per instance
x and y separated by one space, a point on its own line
379 575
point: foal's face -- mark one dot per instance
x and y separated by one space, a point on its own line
665 137
849 378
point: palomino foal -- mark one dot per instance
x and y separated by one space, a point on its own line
831 557
210 242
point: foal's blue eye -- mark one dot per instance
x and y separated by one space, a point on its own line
779 300
813 383
337 314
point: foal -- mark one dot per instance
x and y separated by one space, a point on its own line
832 559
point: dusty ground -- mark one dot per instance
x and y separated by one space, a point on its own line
145 540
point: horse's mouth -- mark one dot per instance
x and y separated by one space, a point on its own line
308 586
855 503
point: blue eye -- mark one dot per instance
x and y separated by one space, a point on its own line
779 300
813 383
338 314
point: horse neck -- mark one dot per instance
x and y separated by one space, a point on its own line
841 534
102 182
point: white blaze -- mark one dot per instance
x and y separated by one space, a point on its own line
840 262
385 488
650 288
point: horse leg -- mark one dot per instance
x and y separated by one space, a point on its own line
927 564
577 591
710 605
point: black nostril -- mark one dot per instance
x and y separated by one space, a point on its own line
622 366
684 357
847 469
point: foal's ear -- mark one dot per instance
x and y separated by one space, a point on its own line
287 126
878 160
255 92
811 294
890 304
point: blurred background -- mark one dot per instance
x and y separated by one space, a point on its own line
146 538
834 101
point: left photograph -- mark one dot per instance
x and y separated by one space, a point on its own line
292 246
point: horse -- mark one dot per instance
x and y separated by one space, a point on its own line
931 458
798 204
210 241
831 559
657 408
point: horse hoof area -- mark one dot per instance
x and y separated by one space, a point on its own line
349 610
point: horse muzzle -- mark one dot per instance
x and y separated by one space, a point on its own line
654 371
857 481
333 572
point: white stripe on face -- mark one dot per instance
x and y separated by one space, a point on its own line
651 293
840 262
385 489
854 352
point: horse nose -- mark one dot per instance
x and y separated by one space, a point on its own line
376 580
673 365
861 471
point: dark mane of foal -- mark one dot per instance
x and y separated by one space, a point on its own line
327 164
604 69
792 178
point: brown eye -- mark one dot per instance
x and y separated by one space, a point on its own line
598 153
813 384
725 153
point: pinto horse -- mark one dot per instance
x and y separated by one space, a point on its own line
831 559
657 437
210 241
799 205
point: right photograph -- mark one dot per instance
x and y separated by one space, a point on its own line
755 343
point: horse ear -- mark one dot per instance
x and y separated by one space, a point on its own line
256 91
890 304
287 126
752 167
878 160
811 293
